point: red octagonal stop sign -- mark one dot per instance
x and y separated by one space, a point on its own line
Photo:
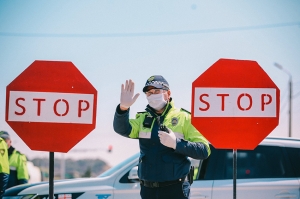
51 106
235 104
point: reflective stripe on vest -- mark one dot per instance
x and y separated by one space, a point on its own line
147 135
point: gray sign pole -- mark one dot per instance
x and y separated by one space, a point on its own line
234 172
51 175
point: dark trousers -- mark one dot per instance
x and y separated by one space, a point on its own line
176 191
3 183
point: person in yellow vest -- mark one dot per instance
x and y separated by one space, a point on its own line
17 163
4 167
166 137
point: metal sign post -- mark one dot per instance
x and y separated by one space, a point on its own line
51 175
234 172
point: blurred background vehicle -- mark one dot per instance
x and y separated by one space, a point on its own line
271 170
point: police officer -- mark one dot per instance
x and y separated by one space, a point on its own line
17 163
4 167
166 138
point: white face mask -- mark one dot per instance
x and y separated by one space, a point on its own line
157 101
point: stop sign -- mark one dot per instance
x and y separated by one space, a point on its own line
235 104
51 106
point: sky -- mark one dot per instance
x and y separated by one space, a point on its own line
111 41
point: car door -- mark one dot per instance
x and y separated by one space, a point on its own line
201 188
294 157
125 188
264 172
203 179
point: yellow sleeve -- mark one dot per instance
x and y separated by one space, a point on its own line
135 125
4 164
22 170
193 135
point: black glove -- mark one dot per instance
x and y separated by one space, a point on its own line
162 127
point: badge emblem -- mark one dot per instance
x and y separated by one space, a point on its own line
2 151
174 121
151 78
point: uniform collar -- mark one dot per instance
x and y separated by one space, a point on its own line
10 150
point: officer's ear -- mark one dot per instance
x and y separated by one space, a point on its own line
8 142
169 94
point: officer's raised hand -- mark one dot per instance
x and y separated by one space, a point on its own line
127 92
167 139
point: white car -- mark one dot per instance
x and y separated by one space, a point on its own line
272 170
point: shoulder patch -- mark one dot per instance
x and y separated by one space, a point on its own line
185 111
2 152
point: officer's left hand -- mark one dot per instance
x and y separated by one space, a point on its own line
167 139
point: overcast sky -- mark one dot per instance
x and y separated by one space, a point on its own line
110 41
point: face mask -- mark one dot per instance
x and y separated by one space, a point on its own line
157 101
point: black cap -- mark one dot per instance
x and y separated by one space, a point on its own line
157 81
4 135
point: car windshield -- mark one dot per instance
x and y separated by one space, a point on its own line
119 166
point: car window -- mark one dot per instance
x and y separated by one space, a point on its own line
124 178
206 169
263 162
294 157
119 166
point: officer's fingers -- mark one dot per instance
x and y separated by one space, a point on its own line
161 134
122 88
170 131
161 138
131 86
135 97
126 85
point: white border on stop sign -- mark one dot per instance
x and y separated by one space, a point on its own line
235 102
56 107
